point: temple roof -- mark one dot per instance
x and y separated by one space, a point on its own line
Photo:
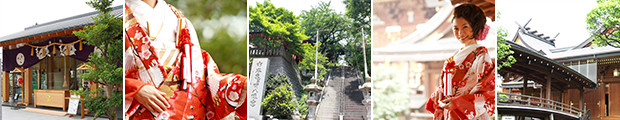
534 40
537 67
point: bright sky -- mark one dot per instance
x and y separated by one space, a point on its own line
549 17
298 6
19 14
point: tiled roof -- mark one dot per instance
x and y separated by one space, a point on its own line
68 23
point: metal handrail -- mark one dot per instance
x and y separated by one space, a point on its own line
540 102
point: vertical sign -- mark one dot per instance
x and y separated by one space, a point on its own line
258 75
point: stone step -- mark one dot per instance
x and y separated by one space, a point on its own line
342 93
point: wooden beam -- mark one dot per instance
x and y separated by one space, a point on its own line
67 82
548 87
5 86
40 37
50 72
531 63
581 105
27 91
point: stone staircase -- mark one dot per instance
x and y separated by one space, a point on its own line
342 96
353 107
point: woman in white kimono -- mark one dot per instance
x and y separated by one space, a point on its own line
467 87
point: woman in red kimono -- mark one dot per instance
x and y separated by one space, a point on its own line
467 87
167 75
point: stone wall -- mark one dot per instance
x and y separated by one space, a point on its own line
280 62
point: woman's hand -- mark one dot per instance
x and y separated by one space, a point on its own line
475 89
152 99
436 96
446 104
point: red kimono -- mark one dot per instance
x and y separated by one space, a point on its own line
195 88
468 78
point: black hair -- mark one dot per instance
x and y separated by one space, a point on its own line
473 14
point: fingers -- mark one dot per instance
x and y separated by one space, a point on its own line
157 105
165 101
445 105
447 100
161 101
152 99
148 107
474 90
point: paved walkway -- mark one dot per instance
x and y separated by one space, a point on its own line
8 113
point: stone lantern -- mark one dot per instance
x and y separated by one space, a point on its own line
314 92
366 88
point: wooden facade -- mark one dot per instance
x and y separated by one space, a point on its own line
48 79
601 102
583 76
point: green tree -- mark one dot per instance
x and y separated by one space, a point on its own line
309 62
355 55
333 29
341 33
603 21
302 107
105 35
359 11
275 80
221 26
279 101
504 54
281 27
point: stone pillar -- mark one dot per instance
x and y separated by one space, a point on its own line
256 87
366 88
313 99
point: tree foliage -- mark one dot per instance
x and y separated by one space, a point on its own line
341 34
309 62
504 54
275 80
105 35
359 11
302 107
503 50
279 101
333 29
280 26
603 21
221 26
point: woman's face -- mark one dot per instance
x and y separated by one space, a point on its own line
462 30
